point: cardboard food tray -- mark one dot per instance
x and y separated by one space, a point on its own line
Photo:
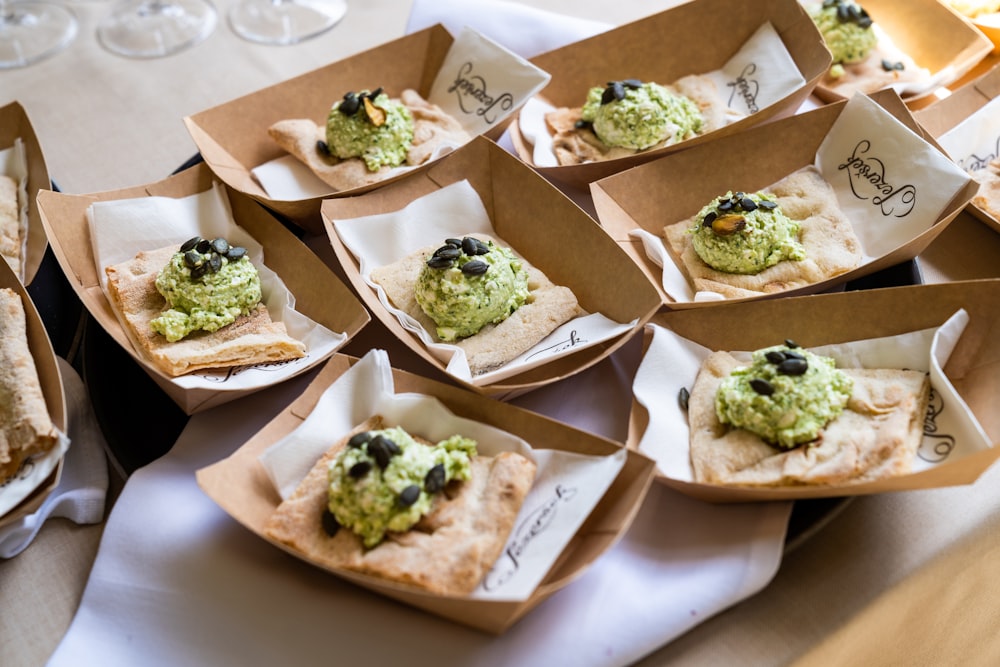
665 47
52 388
241 487
933 35
682 183
943 115
319 294
233 138
540 223
15 124
973 368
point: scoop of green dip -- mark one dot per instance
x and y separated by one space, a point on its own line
208 302
741 233
464 290
846 29
639 115
786 396
352 132
374 487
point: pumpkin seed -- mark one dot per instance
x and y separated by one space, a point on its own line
469 245
236 253
322 148
448 252
475 268
329 521
440 262
359 439
683 396
709 219
775 356
457 243
409 495
203 246
762 386
220 245
350 104
434 479
190 244
793 367
360 469
791 343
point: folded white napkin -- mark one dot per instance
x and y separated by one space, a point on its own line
178 582
82 488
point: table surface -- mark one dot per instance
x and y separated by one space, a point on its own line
106 122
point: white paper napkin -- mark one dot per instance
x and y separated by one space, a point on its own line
367 390
975 141
121 228
186 592
759 74
890 184
80 493
672 362
455 211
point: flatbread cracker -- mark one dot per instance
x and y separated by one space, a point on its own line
11 232
548 306
250 340
869 76
876 436
448 552
987 198
26 429
575 145
433 129
831 246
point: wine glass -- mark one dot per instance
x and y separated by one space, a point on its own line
284 21
32 30
155 28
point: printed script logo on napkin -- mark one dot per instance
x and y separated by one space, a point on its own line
480 82
867 178
761 73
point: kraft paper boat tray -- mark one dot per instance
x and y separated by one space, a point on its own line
52 388
692 38
973 367
319 294
540 223
15 124
241 487
677 185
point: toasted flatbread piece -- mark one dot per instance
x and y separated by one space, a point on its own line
868 76
433 129
548 306
829 240
574 145
252 339
11 233
988 196
26 429
448 552
876 436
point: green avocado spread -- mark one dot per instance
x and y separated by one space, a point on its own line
384 480
370 126
467 284
786 395
636 115
745 233
846 29
205 289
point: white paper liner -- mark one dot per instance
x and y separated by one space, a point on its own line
480 84
566 489
456 211
121 228
672 363
890 184
761 73
14 163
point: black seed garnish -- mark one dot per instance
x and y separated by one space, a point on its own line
199 271
322 147
359 439
203 246
725 205
582 124
475 268
683 396
434 479
190 244
481 248
632 83
775 356
762 386
767 204
469 245
793 367
214 262
330 523
409 495
192 259
236 253
791 343
709 218
789 354
220 245
457 243
202 255
440 262
448 252
350 104
748 204
360 469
